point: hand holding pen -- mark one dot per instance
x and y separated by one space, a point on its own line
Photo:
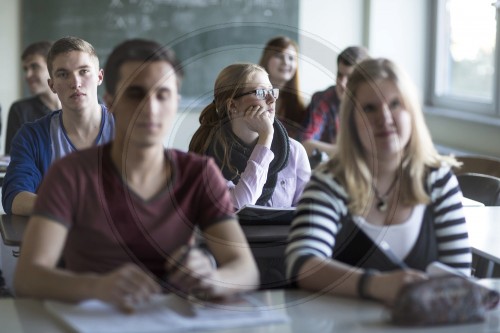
126 287
191 271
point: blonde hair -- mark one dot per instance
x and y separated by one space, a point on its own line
215 117
350 165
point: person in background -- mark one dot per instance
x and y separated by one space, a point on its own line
280 60
386 205
43 100
82 122
261 164
321 121
137 204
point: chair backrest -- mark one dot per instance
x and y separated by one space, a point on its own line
479 187
479 164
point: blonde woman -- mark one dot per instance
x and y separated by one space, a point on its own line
386 205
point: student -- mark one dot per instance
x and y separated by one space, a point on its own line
387 185
261 164
82 122
321 121
43 101
279 59
123 214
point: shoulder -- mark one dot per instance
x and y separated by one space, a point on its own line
39 126
296 148
25 102
322 179
439 175
323 93
188 160
442 184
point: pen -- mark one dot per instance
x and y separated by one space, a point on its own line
181 261
386 249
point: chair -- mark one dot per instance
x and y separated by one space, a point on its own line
479 187
486 165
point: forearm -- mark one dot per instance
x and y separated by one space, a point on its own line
51 283
252 180
336 278
24 203
311 145
237 270
238 275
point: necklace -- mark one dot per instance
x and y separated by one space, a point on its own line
382 199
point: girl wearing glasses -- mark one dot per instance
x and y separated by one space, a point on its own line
261 164
279 59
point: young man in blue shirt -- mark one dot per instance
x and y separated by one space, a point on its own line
82 122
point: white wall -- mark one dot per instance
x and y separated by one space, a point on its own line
10 39
326 28
397 30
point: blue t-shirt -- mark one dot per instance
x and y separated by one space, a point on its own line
35 146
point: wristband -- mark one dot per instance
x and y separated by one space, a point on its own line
363 282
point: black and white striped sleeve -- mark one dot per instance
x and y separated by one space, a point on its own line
316 223
450 225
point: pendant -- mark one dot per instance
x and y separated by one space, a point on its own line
382 206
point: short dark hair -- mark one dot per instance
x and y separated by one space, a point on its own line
69 44
137 50
41 48
352 55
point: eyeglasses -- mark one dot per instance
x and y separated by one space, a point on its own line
262 93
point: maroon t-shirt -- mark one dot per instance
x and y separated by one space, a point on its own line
109 225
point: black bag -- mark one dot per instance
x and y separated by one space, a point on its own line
442 300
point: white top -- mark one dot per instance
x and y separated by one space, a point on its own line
399 237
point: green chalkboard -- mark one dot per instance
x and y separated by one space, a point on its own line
207 35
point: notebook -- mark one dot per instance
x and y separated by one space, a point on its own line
166 313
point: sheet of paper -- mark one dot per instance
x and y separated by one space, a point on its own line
165 313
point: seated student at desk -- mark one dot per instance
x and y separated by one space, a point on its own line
81 123
280 59
123 214
386 188
322 114
261 164
43 101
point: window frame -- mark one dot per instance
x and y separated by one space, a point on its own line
459 107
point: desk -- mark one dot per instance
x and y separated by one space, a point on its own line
308 312
483 224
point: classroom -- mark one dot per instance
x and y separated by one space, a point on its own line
460 107
363 22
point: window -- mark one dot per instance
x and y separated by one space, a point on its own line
465 71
